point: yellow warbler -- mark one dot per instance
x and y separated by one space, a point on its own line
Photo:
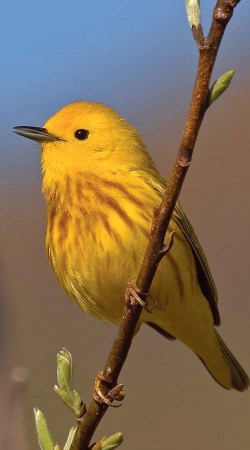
101 188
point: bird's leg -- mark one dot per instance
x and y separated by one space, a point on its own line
135 296
115 393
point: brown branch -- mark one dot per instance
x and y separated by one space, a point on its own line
208 49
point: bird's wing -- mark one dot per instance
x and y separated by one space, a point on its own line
179 217
204 275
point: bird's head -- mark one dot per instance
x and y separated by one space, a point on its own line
87 137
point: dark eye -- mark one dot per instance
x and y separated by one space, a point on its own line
81 134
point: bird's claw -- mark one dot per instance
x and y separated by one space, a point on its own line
114 394
134 296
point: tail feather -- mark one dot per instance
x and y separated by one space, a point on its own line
224 367
214 354
240 380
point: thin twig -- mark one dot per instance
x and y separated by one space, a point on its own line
208 49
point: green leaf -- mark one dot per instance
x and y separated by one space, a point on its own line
64 369
112 441
43 433
70 439
71 399
65 382
193 12
220 86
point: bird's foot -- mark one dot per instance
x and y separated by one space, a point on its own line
135 296
114 394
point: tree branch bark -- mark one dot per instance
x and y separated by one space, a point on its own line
208 49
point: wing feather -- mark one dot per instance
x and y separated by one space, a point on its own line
204 275
179 217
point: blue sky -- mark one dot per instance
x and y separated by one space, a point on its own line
137 56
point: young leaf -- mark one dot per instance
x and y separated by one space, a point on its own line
193 12
70 439
43 433
112 442
65 382
220 86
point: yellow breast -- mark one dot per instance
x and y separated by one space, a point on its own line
97 234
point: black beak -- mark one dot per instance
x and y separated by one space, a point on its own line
36 134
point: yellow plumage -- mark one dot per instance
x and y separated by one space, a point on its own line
101 187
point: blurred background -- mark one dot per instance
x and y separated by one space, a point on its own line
140 58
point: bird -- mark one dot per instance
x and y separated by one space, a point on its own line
101 187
